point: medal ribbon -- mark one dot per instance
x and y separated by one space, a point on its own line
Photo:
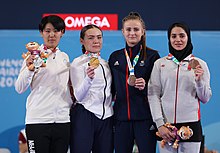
89 54
171 57
48 52
131 67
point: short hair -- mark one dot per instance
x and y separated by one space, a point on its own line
55 20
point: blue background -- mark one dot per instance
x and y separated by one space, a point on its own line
12 104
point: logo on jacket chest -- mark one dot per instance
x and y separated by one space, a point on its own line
140 64
116 63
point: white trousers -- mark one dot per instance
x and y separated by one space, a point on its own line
184 147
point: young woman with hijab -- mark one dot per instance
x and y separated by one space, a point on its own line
91 115
131 68
178 83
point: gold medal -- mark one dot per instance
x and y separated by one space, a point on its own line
131 80
94 62
193 63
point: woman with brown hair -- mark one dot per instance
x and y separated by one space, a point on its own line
131 69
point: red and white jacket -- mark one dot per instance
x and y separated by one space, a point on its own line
173 93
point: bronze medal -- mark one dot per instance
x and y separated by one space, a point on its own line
94 62
131 80
193 63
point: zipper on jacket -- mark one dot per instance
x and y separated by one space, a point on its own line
103 104
127 90
199 115
176 96
127 94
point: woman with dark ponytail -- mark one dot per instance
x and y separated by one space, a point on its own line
91 114
131 69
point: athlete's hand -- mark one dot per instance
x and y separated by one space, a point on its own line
198 72
90 71
140 83
166 134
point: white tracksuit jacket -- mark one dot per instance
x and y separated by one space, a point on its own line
173 93
95 95
49 100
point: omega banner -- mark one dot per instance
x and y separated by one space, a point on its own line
77 21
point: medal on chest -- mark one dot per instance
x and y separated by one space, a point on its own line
94 62
94 59
193 63
131 80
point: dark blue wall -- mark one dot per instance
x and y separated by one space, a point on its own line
158 14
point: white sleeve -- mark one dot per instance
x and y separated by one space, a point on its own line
203 88
154 95
80 81
24 79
